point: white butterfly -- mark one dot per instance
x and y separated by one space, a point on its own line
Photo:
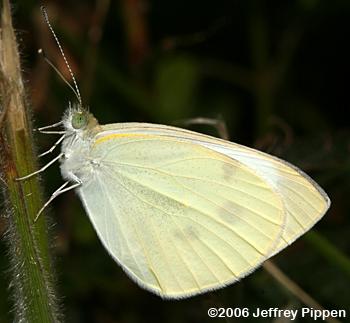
181 212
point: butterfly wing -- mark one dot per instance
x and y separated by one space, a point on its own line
179 218
304 201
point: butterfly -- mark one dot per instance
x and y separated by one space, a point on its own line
182 212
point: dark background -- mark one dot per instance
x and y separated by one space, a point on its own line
275 72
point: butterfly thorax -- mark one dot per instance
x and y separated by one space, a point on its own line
80 129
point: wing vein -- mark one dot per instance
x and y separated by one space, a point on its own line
155 234
203 179
197 210
210 201
121 231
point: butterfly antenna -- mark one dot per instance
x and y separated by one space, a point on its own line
76 90
48 61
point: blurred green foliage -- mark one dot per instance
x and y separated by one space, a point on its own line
275 71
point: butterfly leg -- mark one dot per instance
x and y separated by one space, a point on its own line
54 146
59 191
53 132
41 169
50 126
45 131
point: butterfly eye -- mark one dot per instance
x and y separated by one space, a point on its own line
79 120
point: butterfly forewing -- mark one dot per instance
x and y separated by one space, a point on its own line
180 218
304 201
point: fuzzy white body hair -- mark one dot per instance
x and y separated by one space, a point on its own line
76 164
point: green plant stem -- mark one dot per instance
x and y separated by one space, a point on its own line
31 270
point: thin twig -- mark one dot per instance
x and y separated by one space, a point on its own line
294 288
